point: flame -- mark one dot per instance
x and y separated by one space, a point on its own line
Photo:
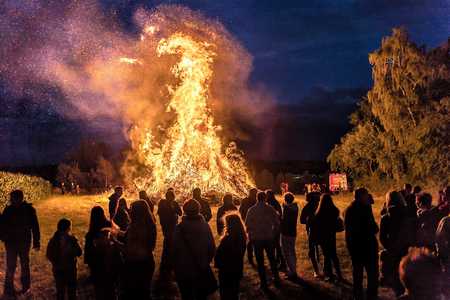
192 154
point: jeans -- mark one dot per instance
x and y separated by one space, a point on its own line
260 248
66 280
12 252
288 245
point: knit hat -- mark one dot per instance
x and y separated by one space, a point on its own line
191 207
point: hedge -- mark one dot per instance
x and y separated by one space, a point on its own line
34 188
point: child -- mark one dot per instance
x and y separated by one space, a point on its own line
62 251
229 257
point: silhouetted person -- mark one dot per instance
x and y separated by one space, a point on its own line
443 252
229 257
306 217
420 273
360 235
227 206
243 209
62 251
397 234
168 211
416 190
288 229
323 229
114 200
205 209
428 218
410 200
143 196
121 216
272 201
263 224
139 244
20 230
193 251
94 254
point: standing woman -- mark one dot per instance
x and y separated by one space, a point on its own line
227 205
229 257
139 243
325 224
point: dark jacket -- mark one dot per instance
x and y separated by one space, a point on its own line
193 248
308 213
323 227
20 225
168 215
262 222
205 209
276 205
245 206
427 223
62 251
90 254
122 219
229 257
397 231
112 205
220 213
289 220
360 230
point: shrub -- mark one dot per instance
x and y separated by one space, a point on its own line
34 188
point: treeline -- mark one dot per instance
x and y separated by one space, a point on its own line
401 129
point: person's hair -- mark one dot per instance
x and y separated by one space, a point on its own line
289 198
424 199
407 187
252 193
360 192
261 196
420 273
417 189
234 227
118 189
197 192
326 206
170 195
16 196
270 195
394 198
227 199
98 219
312 196
140 233
63 225
143 195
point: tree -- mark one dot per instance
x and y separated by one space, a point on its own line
401 129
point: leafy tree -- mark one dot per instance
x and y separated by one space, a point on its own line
401 129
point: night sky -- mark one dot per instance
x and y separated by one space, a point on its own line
310 55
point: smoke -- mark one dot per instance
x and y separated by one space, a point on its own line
105 71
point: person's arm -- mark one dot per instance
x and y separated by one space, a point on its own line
154 236
208 214
211 244
35 229
77 248
384 236
304 214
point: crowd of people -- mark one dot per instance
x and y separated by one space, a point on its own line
119 248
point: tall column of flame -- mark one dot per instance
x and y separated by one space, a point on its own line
192 154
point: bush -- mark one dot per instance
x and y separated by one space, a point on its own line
34 188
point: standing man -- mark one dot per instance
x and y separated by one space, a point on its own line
20 228
205 209
243 210
263 224
362 244
114 200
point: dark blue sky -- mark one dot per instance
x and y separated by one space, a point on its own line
298 45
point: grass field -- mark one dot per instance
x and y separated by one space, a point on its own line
77 209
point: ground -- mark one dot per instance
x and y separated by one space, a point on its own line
77 209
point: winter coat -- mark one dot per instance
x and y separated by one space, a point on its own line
20 226
360 230
245 206
397 231
229 257
168 212
63 250
289 220
193 248
276 205
220 213
263 222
